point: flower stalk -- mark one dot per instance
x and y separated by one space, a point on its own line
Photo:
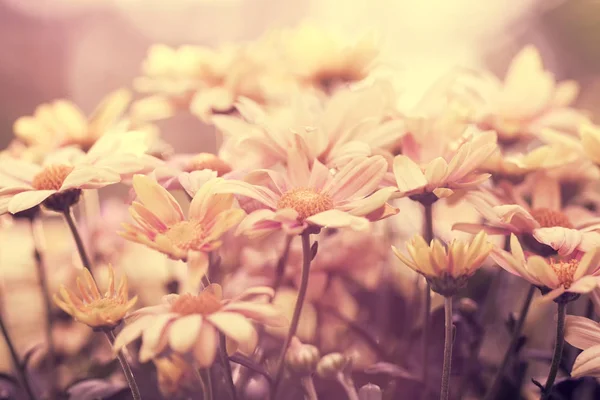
20 368
85 260
428 236
558 349
448 343
135 391
306 251
516 334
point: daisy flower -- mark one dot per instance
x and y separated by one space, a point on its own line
58 182
542 225
437 178
160 224
171 172
528 101
584 334
574 275
62 123
322 59
351 123
446 268
303 196
91 307
191 323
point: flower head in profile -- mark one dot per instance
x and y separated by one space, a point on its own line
91 307
303 196
61 123
323 59
191 324
457 168
159 222
563 279
528 101
58 182
446 268
544 225
584 333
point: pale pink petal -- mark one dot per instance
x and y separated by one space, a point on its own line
132 331
152 338
563 240
338 219
255 219
157 199
587 363
546 193
588 264
197 268
264 313
436 172
19 170
357 179
408 174
184 331
362 207
84 177
342 155
146 218
206 203
206 346
224 222
589 241
540 268
553 294
298 170
516 216
506 261
259 193
319 176
26 200
582 332
476 228
585 284
236 327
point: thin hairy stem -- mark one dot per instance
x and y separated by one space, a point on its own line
281 263
227 367
297 310
135 391
558 349
37 234
85 260
428 236
448 342
19 368
516 334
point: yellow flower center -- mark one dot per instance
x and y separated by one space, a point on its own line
186 235
208 161
51 177
548 218
305 201
565 271
204 303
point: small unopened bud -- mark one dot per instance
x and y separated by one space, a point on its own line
302 358
331 365
174 374
370 392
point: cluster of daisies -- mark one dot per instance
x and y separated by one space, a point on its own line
287 229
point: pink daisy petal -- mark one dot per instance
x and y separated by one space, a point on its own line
236 327
587 363
184 331
357 179
338 219
581 332
408 174
206 346
157 199
26 200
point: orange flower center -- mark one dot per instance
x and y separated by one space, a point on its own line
51 177
204 303
208 161
548 218
186 235
565 271
305 201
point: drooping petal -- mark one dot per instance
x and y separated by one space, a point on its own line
582 332
339 219
157 199
587 363
357 179
206 345
563 240
408 174
184 331
236 327
154 336
26 200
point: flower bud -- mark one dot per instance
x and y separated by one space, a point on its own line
302 358
331 365
370 392
174 374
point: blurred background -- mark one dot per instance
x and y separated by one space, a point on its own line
82 49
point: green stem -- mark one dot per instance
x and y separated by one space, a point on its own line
558 349
227 367
38 244
135 391
297 310
85 260
21 373
428 232
281 263
448 342
516 334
